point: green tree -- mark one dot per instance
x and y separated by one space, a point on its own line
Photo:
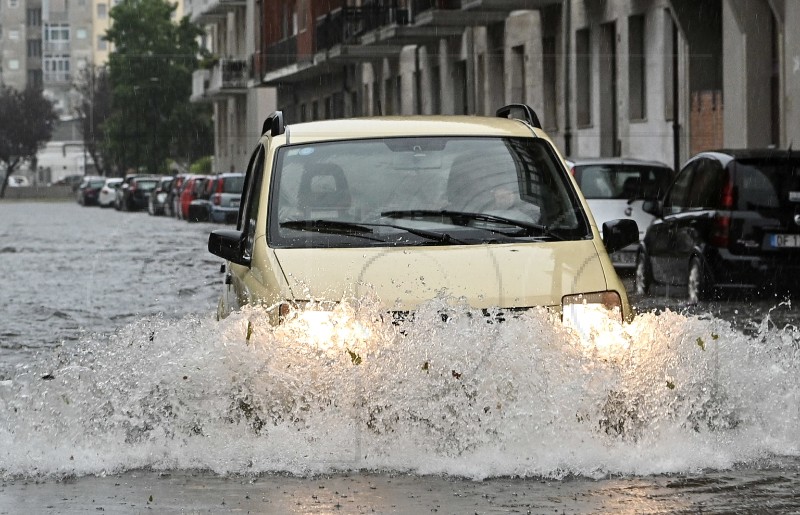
151 82
94 109
28 121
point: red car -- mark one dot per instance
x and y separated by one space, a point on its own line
192 189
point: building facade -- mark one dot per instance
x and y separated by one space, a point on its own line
229 80
659 79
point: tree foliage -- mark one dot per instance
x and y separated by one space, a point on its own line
94 109
28 121
151 81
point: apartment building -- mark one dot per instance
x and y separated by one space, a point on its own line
229 80
649 78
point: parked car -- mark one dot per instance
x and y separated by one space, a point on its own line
224 201
616 187
199 207
123 188
480 208
18 181
730 222
171 202
137 193
158 197
191 189
108 192
89 190
73 181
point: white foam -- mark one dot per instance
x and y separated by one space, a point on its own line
464 397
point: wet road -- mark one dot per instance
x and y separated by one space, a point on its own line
120 393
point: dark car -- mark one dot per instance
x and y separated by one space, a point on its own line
730 222
120 195
137 194
89 190
156 204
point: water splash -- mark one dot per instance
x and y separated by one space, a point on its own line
449 392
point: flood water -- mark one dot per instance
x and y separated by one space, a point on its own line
116 378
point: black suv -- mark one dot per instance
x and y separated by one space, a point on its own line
730 222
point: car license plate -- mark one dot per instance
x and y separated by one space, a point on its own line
234 203
780 241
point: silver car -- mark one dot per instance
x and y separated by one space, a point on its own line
223 206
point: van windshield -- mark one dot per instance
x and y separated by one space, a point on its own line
416 191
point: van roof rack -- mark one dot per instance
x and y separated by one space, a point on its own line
274 124
520 112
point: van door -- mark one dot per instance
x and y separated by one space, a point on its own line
238 294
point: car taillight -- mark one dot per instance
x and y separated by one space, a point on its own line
219 185
720 235
216 199
727 199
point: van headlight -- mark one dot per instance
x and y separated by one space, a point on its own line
597 318
322 325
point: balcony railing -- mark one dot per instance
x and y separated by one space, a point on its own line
346 24
229 74
280 54
56 47
57 77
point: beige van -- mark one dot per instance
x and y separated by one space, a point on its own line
479 209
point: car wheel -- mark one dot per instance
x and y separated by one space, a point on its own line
644 275
697 285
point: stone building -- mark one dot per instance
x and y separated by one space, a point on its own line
659 79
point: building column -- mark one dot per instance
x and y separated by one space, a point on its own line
748 38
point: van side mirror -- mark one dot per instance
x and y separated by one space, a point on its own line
229 245
618 234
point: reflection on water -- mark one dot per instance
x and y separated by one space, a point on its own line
463 397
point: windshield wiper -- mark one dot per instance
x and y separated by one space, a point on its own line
539 229
331 227
441 237
362 229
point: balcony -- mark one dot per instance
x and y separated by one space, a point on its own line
56 47
209 11
448 13
506 5
200 80
402 26
59 77
229 77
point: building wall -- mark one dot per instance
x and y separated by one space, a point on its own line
13 52
791 67
747 71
